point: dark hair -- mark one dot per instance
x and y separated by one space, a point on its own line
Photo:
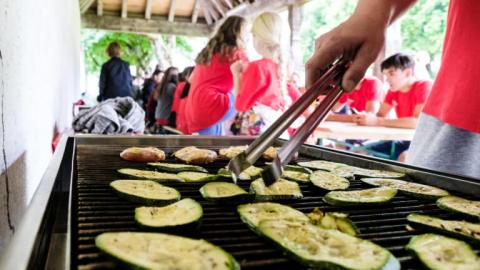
399 61
156 72
113 49
187 72
224 41
171 76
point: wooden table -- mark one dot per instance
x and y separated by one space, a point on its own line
344 131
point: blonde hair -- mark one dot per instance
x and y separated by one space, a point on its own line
267 30
226 40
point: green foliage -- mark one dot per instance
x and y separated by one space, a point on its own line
138 50
423 27
320 17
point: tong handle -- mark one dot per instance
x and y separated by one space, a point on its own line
259 145
310 124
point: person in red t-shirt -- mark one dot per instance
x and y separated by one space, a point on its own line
261 85
211 101
365 97
178 103
406 95
447 137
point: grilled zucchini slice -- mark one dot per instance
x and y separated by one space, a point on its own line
197 176
333 221
379 174
352 171
175 167
297 168
443 253
296 176
326 249
357 197
225 174
224 192
460 205
409 188
184 214
344 171
145 192
252 213
328 181
456 228
280 190
149 175
320 165
163 251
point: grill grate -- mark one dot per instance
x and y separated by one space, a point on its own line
98 210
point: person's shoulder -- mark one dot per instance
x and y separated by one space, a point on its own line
421 85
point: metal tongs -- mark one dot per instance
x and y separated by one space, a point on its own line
329 81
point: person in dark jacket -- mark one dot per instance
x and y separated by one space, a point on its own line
164 96
149 85
115 77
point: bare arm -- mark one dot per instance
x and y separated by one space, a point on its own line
363 33
403 122
380 120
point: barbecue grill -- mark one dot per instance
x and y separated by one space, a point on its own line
74 204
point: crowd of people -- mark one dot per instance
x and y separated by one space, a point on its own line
226 85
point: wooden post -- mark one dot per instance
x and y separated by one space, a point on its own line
295 19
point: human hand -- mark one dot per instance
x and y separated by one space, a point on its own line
366 120
362 35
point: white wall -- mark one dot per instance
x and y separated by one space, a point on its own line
39 80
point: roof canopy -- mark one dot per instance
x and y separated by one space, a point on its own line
175 17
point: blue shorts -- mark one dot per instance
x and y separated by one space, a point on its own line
217 128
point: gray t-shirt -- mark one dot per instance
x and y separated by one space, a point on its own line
442 147
164 104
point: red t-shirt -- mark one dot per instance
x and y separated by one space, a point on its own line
370 90
455 95
208 100
293 92
260 84
176 96
405 102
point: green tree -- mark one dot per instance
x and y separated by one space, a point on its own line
139 50
423 27
320 17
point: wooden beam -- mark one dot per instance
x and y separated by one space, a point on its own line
259 6
85 5
124 9
218 7
229 3
99 7
140 25
236 9
196 10
148 9
171 12
207 5
206 14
